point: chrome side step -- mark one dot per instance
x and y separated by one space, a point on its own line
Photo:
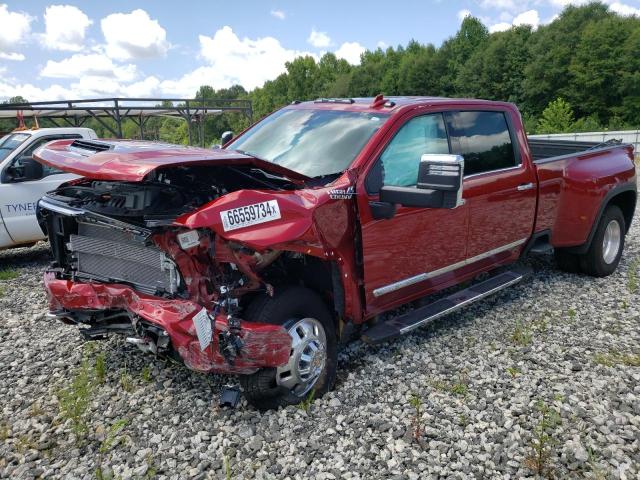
402 324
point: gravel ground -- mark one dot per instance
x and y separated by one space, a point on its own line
545 375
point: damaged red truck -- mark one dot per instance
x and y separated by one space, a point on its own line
315 226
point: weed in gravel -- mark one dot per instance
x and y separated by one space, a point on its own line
596 471
632 275
5 431
36 410
145 374
101 367
307 402
522 334
126 382
572 313
111 440
74 400
463 420
227 467
459 387
416 402
8 274
543 441
513 371
24 444
614 358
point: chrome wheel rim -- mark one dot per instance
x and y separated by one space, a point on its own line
308 357
611 242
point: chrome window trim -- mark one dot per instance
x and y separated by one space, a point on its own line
421 277
507 169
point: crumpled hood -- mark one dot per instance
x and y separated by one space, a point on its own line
132 161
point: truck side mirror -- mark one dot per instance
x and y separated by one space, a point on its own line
32 169
28 169
226 137
439 184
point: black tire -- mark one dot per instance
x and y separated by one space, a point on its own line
566 261
287 306
593 262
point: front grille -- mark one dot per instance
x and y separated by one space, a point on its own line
108 254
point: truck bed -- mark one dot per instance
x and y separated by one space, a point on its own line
543 148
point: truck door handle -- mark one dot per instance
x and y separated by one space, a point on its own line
525 186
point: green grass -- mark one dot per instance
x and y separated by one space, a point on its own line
543 441
74 400
145 374
307 402
522 334
8 274
111 439
513 371
416 402
101 367
126 381
614 358
632 275
460 387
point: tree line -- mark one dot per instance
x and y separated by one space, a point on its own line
580 72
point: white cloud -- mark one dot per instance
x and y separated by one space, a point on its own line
501 4
134 36
624 10
16 57
14 28
382 45
65 27
231 60
462 14
351 52
86 87
279 14
500 27
319 39
530 17
92 64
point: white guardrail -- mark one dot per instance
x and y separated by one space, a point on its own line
627 136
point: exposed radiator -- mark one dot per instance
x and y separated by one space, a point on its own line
108 254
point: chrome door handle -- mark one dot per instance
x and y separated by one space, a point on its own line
525 186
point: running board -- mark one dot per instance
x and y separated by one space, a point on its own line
397 326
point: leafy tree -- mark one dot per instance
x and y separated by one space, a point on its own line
556 118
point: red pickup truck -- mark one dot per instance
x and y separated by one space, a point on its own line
315 226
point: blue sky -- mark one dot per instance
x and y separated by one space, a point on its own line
52 50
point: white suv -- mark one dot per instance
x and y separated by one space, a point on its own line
23 181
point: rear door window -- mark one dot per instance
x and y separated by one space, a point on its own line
483 139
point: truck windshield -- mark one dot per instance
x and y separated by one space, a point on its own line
9 143
311 142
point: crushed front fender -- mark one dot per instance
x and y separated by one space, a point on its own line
264 345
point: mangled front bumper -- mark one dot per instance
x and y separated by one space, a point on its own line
263 345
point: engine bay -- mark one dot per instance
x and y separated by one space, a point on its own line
166 194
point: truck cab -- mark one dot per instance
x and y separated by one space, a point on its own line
23 181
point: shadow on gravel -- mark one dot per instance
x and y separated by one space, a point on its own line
355 355
25 256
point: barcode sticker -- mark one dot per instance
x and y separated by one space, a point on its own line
202 322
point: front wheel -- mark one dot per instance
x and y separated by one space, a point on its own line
313 359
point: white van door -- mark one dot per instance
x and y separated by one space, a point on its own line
19 195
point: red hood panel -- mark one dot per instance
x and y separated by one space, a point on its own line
132 161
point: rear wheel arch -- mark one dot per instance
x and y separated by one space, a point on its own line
625 201
624 197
